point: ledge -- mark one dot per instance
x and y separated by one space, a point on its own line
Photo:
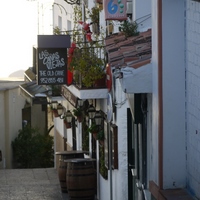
88 93
168 194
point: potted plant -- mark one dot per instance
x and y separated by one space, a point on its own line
100 137
54 111
129 28
93 128
78 113
94 16
67 124
89 68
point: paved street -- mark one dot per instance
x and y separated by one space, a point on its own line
30 184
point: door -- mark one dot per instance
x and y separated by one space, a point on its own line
74 133
137 152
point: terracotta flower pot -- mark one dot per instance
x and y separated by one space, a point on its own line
101 83
101 142
67 125
55 113
79 118
94 135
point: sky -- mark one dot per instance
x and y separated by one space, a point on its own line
18 34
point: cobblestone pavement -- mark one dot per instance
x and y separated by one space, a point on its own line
30 184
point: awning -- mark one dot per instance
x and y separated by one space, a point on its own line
137 80
33 93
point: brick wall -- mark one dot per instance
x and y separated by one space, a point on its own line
193 95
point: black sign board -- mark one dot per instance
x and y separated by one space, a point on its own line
52 66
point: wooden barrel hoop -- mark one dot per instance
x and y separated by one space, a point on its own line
81 179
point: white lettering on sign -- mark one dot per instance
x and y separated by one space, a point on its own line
51 60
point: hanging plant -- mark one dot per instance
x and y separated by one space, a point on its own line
78 112
129 28
93 128
94 15
100 135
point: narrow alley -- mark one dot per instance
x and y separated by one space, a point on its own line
30 184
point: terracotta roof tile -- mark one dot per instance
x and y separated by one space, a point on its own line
133 51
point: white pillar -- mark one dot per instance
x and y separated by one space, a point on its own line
79 136
90 140
97 162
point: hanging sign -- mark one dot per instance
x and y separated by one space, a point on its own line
108 77
109 108
52 66
69 96
52 59
115 9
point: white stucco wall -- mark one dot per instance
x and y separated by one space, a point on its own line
193 96
119 176
174 165
174 94
10 123
155 114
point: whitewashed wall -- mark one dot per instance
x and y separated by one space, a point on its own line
119 176
10 123
173 94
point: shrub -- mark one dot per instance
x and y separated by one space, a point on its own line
32 149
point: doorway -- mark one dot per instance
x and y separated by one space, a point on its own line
137 147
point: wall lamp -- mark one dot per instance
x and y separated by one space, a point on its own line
68 119
91 111
54 104
60 109
72 2
98 118
68 116
80 102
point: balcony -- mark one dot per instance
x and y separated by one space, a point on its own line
86 72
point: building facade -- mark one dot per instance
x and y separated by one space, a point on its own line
11 118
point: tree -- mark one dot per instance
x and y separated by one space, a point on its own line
31 149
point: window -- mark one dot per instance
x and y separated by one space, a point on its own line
60 22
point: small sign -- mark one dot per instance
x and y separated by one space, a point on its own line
54 41
109 108
52 66
115 9
69 96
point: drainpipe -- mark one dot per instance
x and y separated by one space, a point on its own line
160 97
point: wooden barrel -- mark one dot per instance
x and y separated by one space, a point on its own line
65 155
81 179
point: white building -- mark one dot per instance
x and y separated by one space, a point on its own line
11 118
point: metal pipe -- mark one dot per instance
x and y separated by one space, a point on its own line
110 160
